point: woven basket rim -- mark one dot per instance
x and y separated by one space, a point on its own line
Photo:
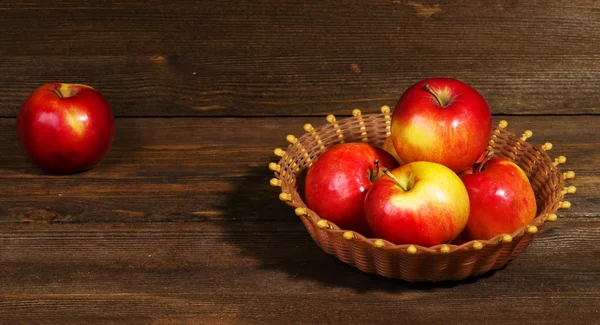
332 228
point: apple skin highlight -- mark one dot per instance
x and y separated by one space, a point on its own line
501 199
441 120
338 181
65 128
433 210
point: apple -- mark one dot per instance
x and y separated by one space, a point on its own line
388 146
501 199
422 203
65 128
441 120
337 182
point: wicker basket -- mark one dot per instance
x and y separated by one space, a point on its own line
413 262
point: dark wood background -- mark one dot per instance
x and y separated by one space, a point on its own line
179 225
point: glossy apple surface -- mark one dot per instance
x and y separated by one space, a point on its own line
441 120
65 128
501 199
338 181
427 205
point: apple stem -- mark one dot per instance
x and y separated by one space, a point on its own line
394 178
435 94
377 171
487 158
57 91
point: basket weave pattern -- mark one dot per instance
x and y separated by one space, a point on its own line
413 262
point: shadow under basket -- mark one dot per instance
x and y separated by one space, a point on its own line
413 262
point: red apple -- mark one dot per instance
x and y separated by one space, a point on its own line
338 181
501 199
65 128
421 203
441 120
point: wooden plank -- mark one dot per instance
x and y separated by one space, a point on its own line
195 168
180 226
232 58
248 272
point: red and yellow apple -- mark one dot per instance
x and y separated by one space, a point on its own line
337 182
65 128
441 120
501 199
421 203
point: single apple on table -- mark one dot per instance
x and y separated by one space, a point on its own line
501 199
66 128
337 182
441 120
421 203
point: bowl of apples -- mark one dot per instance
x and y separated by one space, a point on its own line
428 191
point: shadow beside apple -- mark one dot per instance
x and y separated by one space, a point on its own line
280 242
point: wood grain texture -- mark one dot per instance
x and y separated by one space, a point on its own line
243 58
179 226
272 273
190 165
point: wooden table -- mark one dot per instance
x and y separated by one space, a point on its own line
179 224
